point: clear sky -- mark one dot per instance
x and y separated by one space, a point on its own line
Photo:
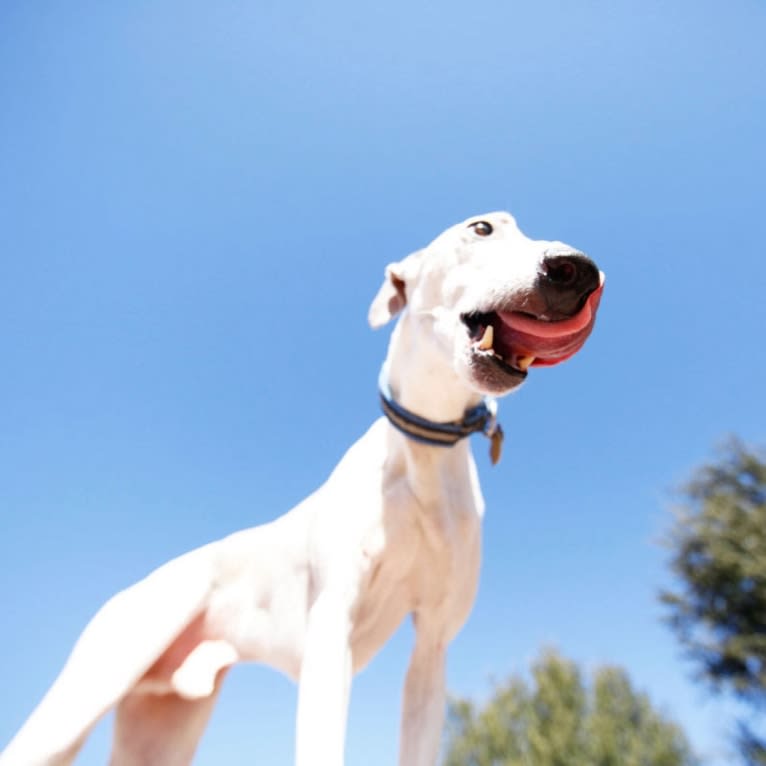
197 201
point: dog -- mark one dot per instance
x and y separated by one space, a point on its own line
394 531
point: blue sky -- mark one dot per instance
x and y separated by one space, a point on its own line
197 201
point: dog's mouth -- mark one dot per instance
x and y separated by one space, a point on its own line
518 340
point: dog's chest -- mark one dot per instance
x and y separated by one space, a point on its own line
384 598
445 580
415 565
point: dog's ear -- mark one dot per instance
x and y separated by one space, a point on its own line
392 296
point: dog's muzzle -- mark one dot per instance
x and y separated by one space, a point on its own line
555 322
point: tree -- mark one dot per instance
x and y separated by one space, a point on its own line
558 720
718 545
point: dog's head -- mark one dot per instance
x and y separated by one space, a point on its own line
497 301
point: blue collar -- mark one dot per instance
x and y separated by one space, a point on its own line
481 418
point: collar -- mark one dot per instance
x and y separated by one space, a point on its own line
481 418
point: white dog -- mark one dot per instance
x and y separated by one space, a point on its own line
394 531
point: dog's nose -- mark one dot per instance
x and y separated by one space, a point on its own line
566 280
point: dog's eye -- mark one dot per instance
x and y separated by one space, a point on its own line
482 228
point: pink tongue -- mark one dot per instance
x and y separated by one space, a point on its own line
550 342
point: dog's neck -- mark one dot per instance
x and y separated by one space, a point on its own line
421 378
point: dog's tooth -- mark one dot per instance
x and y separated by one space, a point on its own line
523 362
485 344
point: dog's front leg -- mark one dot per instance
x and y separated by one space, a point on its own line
424 702
325 683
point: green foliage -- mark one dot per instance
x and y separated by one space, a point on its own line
558 720
718 548
752 749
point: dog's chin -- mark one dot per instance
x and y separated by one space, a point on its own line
491 375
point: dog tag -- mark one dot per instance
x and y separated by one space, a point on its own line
496 444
